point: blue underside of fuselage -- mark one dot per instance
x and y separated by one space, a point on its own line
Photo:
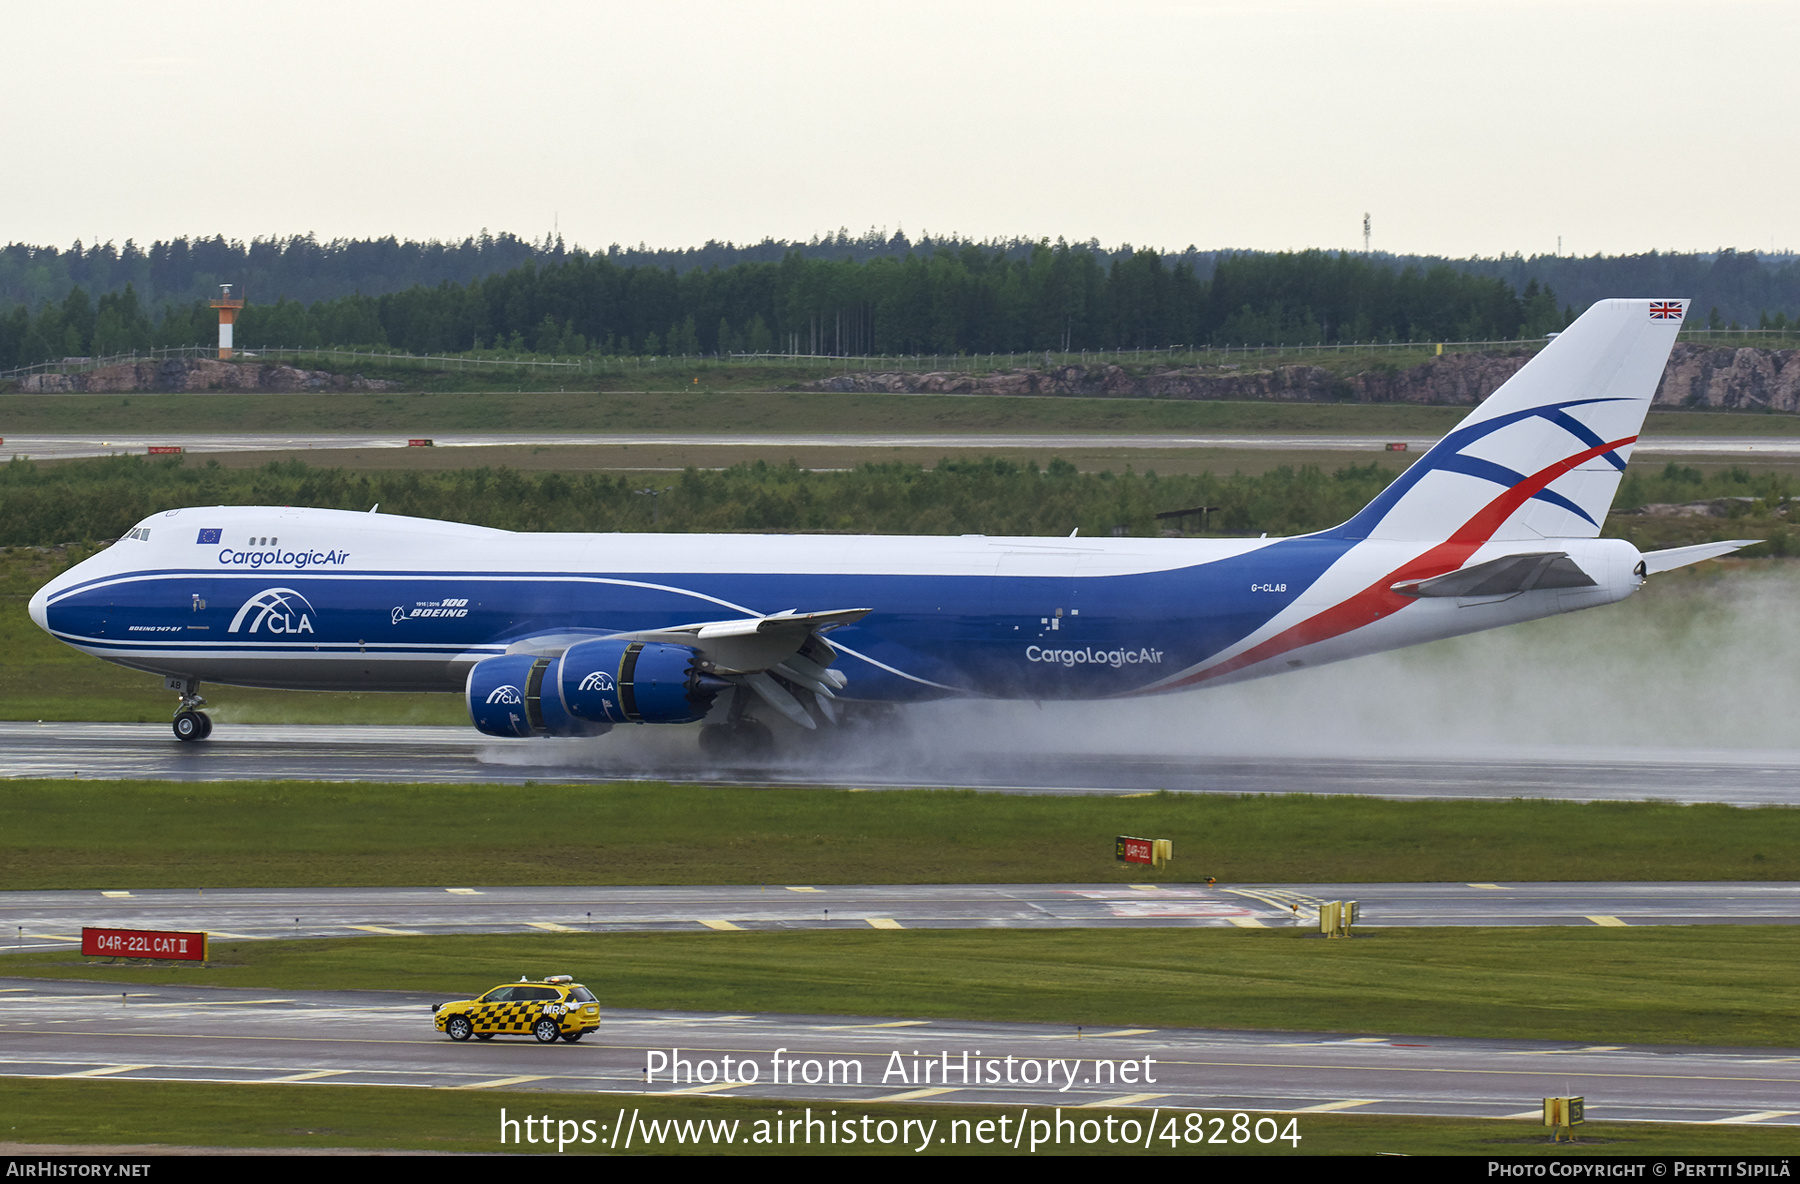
1035 637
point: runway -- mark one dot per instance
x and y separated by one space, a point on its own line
65 446
51 920
86 1030
461 755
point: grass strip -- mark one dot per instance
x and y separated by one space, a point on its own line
1715 985
749 406
306 1118
150 834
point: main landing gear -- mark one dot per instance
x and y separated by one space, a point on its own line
740 737
190 724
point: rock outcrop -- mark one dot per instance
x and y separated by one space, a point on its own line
203 374
1697 376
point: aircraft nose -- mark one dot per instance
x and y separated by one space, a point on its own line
40 608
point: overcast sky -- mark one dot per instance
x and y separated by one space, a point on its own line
1462 126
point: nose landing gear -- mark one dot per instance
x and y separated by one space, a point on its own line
190 724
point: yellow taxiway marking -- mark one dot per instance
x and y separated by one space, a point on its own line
1146 794
791 888
390 931
1759 1116
1326 1107
714 1088
1525 1114
114 895
313 1076
1493 887
1608 921
849 1027
464 892
551 927
1126 1100
1146 887
1248 923
52 937
106 1071
216 1003
497 1082
716 924
1360 1040
912 1094
883 923
1099 1035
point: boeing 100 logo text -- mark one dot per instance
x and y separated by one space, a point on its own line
274 610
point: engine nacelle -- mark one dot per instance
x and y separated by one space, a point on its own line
636 682
507 697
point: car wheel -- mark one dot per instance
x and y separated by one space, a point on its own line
572 1037
546 1030
458 1027
484 1035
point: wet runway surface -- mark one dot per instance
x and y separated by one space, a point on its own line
52 920
86 1030
65 446
461 755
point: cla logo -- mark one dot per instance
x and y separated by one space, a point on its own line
507 696
275 610
599 680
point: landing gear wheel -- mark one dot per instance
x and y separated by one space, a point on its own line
458 1027
205 725
572 1037
737 741
484 1035
546 1030
192 725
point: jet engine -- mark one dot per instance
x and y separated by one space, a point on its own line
592 686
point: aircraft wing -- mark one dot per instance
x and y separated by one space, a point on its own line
775 656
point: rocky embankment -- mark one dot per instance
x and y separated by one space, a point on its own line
1697 376
204 374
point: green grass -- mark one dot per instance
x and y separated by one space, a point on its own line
755 411
150 834
304 1117
1716 985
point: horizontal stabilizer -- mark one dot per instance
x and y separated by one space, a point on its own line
1655 561
1504 576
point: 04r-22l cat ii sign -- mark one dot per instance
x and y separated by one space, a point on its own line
572 634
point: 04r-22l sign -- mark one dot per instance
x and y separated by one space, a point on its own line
143 943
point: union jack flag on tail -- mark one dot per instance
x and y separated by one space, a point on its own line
1665 310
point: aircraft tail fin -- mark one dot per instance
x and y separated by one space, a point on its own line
1543 455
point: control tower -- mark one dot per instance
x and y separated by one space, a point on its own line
228 310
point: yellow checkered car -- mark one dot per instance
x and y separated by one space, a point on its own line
558 1007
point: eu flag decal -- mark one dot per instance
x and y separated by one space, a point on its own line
208 535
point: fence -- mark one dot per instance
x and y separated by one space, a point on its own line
972 363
